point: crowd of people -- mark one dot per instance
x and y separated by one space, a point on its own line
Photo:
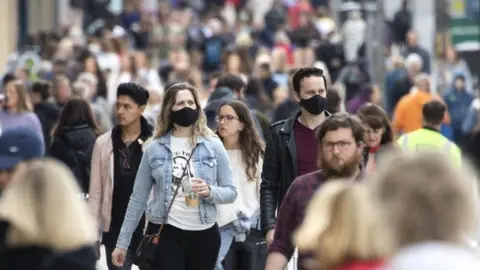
203 137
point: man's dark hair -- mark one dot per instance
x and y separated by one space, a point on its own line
137 93
306 72
460 77
8 78
433 112
265 66
60 61
215 75
333 100
234 83
43 88
341 120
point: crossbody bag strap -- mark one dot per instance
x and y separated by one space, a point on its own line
176 192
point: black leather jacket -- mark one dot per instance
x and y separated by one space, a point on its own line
279 169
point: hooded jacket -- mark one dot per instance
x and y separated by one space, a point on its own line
457 104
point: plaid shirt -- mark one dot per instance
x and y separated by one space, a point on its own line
292 212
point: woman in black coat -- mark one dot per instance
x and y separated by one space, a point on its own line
73 140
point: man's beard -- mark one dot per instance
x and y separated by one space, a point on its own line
348 168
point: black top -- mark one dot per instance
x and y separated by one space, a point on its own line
48 114
127 159
73 145
33 258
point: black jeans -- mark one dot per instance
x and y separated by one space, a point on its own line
248 255
186 250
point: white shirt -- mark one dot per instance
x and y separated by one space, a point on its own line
248 198
182 216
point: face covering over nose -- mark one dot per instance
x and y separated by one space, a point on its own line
314 105
184 117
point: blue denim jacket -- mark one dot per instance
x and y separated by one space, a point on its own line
211 164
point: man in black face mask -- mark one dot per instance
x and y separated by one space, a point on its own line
291 149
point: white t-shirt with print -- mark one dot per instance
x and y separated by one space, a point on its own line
182 216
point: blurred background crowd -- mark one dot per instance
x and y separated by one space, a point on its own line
398 55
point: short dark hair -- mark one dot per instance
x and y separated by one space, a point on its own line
215 75
137 93
341 120
43 88
333 100
433 112
265 66
306 72
460 77
8 78
232 82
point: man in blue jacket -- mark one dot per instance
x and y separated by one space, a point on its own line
458 100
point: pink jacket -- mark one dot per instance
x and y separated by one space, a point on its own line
101 181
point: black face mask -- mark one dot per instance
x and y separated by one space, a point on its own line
184 117
314 105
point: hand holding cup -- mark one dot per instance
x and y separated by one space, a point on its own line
200 187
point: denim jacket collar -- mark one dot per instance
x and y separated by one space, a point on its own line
165 140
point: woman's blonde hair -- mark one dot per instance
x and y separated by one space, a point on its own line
341 224
164 122
425 197
24 103
42 208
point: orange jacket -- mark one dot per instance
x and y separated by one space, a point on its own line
408 112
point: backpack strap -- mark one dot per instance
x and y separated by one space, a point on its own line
67 145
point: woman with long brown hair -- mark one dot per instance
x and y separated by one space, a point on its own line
378 133
245 149
73 140
18 109
189 171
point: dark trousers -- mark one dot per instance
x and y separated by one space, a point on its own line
186 250
248 255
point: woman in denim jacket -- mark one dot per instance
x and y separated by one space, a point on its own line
190 238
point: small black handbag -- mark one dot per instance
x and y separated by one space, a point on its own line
145 254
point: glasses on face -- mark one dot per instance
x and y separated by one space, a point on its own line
341 145
227 118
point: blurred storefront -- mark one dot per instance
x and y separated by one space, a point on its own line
20 17
9 29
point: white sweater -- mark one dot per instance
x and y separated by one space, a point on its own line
248 198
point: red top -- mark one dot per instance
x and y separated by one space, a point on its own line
295 11
234 2
362 265
289 50
373 150
306 148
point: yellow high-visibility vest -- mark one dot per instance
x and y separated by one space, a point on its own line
427 139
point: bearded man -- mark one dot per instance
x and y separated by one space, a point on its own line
340 149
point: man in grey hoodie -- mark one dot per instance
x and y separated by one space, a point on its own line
229 87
